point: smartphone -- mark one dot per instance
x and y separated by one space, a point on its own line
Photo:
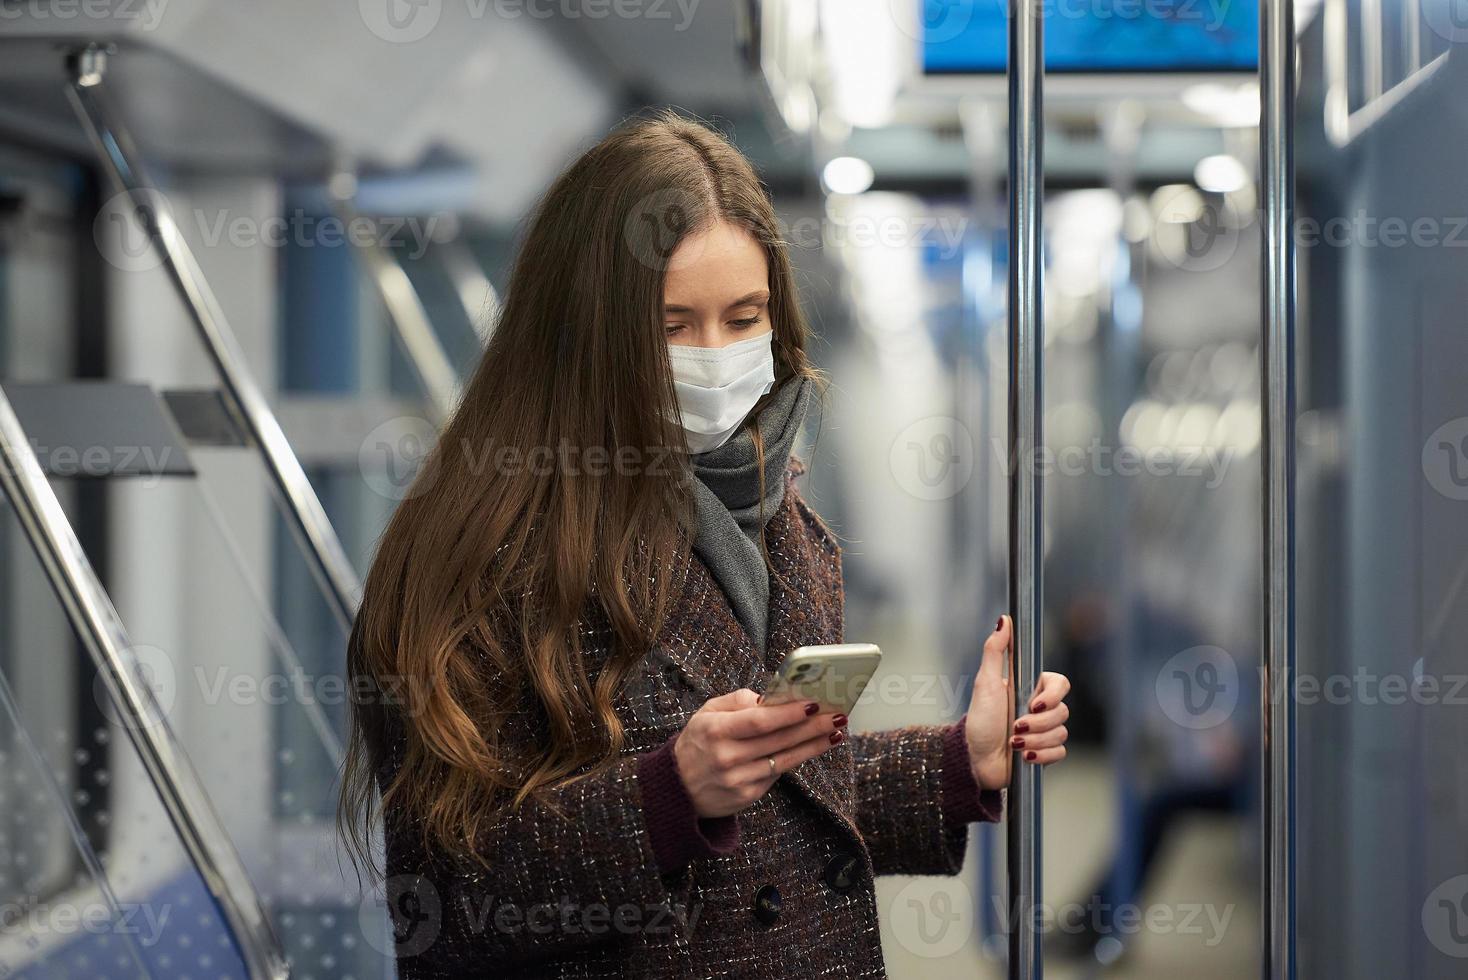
833 675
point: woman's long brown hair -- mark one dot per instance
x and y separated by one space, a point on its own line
550 499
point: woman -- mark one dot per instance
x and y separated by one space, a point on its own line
568 623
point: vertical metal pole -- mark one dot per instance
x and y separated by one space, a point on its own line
1277 367
119 159
1026 527
1373 55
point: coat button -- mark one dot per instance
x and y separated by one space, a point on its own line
767 904
841 873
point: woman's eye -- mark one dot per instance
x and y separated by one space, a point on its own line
746 323
672 328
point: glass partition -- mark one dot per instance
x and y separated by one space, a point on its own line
1383 462
94 879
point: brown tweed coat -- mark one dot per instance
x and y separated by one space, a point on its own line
579 894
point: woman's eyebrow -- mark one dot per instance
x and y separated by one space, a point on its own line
749 299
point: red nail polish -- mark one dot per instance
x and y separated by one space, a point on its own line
999 624
1017 742
1021 726
1031 755
812 708
839 721
837 737
1039 706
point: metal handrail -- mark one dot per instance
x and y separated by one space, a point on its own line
1026 72
477 295
1343 124
95 620
243 395
1277 391
410 320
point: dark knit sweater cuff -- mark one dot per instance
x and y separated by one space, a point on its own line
677 832
963 800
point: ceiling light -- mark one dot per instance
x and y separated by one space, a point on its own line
1221 174
1225 105
847 175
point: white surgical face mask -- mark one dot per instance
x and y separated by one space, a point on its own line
717 386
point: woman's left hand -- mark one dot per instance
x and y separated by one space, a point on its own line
995 734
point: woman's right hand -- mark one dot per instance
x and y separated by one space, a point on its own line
724 750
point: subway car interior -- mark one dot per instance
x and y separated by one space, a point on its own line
250 254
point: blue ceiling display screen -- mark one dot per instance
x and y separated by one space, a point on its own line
971 36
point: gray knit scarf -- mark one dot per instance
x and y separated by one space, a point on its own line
729 512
